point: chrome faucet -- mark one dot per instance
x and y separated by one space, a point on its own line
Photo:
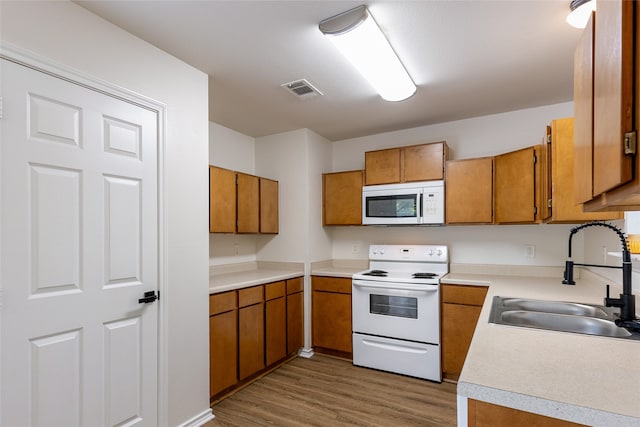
627 301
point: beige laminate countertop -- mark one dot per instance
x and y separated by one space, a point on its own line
581 378
252 274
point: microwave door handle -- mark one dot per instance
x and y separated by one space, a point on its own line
421 219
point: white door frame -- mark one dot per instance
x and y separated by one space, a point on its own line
40 63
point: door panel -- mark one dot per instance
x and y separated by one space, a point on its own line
79 247
612 94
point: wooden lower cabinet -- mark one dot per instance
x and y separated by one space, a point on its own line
223 341
295 315
483 414
331 311
461 306
250 340
252 330
275 317
223 351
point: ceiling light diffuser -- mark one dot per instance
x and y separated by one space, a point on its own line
358 37
580 12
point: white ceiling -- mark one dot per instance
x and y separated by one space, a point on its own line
468 57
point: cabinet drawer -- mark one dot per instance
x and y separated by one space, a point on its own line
294 285
332 284
219 303
274 290
249 296
464 294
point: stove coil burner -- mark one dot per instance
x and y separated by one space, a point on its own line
377 273
424 275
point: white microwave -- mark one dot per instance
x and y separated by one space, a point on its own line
403 204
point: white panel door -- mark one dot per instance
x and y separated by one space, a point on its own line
79 226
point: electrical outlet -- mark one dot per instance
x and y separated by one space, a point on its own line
236 249
355 248
530 251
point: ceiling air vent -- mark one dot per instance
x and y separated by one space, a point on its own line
301 89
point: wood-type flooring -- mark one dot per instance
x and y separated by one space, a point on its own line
325 391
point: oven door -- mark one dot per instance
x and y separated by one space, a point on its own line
397 310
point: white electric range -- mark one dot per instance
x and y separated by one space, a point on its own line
396 310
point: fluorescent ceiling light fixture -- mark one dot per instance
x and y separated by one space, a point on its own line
356 34
580 12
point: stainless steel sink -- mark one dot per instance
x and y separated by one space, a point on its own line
558 307
558 316
564 322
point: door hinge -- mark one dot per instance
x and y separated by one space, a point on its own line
535 210
535 158
549 139
549 203
630 143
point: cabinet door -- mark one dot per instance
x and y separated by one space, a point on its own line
295 322
332 321
583 112
275 330
484 414
269 219
342 198
223 351
423 162
222 200
564 208
514 187
251 340
458 325
248 203
613 94
469 191
382 166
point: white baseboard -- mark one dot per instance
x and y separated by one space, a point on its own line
199 419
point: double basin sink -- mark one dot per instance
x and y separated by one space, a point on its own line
558 316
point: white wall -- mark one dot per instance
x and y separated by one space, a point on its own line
476 137
230 149
68 34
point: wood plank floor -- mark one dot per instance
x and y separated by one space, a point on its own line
325 391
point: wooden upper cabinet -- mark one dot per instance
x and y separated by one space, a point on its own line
342 198
424 162
583 111
563 207
469 191
269 218
248 203
514 184
222 200
612 93
605 117
242 203
382 166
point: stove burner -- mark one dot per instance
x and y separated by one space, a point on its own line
424 275
378 273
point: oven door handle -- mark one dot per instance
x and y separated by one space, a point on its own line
399 286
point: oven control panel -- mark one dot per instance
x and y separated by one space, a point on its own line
425 253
